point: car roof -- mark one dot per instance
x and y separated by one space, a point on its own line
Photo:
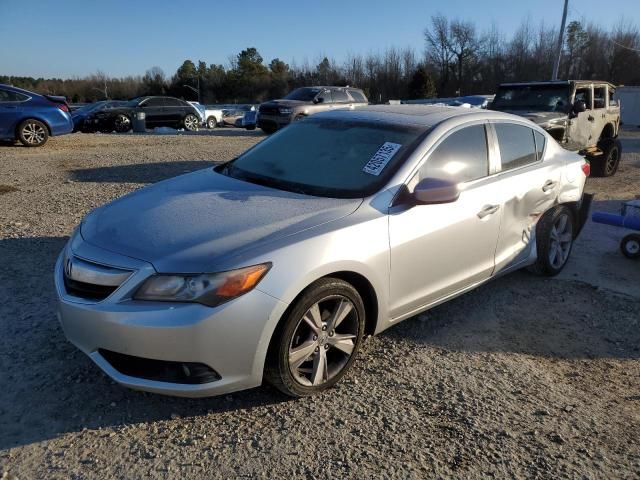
558 82
18 89
416 115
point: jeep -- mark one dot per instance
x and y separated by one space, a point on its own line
306 101
581 115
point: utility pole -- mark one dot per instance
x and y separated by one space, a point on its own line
556 67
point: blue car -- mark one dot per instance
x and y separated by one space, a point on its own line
80 115
32 118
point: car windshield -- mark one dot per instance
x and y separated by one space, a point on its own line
303 94
337 158
90 107
544 98
134 102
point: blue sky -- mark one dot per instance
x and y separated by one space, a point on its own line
66 38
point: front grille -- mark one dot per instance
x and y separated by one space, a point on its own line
160 370
269 110
89 291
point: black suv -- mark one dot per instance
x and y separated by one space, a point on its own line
306 101
159 112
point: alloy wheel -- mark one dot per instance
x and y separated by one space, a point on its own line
612 161
561 238
122 123
33 133
323 340
191 122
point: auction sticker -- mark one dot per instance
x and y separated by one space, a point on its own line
381 158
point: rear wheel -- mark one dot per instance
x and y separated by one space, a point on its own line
121 123
554 240
317 341
191 122
630 246
212 122
607 164
33 133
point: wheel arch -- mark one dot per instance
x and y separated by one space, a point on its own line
609 131
31 117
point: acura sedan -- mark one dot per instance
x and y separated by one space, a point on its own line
276 265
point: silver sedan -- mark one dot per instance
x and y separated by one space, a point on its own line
277 264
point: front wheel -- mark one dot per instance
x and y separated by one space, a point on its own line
554 240
33 133
121 123
630 246
191 122
212 122
317 341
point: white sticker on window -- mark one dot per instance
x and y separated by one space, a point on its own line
381 158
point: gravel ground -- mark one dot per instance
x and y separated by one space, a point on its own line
523 378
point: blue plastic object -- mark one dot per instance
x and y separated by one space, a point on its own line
624 221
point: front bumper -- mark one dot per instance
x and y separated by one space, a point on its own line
232 339
278 121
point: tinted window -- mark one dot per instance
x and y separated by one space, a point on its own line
154 102
340 96
584 95
548 98
540 142
340 158
358 96
173 102
305 94
326 96
7 96
461 157
517 147
599 95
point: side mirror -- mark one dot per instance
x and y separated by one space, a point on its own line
435 190
318 100
579 106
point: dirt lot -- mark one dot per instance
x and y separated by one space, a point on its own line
524 377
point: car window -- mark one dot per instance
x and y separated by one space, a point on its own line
8 96
340 96
540 143
599 95
517 145
173 102
461 157
358 96
613 102
584 95
326 96
154 102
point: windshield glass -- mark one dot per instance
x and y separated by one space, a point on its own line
303 94
337 158
544 98
90 107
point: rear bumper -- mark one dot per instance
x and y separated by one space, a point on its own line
60 123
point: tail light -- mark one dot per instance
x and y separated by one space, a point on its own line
63 107
586 169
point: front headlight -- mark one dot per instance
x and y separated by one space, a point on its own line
208 289
285 111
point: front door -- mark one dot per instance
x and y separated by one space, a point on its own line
154 111
10 106
437 250
581 126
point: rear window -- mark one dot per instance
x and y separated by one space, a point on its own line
8 96
517 145
358 96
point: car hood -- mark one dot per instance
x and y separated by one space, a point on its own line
190 223
539 118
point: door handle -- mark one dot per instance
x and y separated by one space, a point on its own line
548 185
488 210
590 118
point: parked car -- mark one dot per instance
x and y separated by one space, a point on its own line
32 118
581 115
249 119
211 117
276 265
306 101
79 115
159 112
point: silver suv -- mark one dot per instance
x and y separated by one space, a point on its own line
305 101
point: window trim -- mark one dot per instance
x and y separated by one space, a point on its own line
538 162
15 101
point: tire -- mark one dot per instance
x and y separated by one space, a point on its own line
306 355
33 133
212 122
630 246
121 123
190 122
251 127
269 129
554 241
606 165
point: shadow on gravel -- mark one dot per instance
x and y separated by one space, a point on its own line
138 173
49 387
216 132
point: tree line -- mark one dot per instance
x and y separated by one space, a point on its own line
456 59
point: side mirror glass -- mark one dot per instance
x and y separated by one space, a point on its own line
435 190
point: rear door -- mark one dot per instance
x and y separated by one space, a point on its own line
155 112
176 110
528 185
10 108
341 99
437 250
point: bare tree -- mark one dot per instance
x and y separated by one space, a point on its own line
438 40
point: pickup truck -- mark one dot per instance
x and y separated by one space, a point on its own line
582 115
